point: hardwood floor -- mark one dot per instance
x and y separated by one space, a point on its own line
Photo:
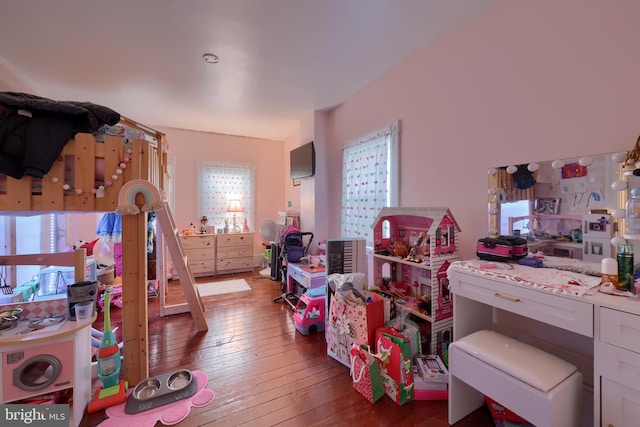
263 372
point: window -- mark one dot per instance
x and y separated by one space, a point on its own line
369 181
221 182
38 234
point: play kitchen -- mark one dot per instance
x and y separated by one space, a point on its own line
45 355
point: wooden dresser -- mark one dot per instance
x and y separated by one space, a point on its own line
201 254
234 252
214 254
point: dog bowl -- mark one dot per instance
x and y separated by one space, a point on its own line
146 389
179 380
161 390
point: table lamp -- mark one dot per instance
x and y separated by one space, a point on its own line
235 207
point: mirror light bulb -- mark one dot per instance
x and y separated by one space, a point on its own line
493 211
557 164
492 191
618 213
533 167
585 161
619 185
618 241
493 232
511 169
492 171
619 157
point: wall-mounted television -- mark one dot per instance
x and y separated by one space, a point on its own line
303 161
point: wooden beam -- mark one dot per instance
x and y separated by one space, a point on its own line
135 331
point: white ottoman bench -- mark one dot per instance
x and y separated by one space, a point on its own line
538 386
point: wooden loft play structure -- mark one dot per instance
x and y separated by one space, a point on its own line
107 173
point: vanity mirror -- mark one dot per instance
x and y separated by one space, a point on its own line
551 202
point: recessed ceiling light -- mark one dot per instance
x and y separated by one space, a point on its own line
211 58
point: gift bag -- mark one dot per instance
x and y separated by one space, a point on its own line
365 373
408 328
396 366
349 323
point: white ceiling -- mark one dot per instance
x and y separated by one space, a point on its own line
280 60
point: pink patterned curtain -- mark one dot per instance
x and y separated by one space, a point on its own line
369 181
221 182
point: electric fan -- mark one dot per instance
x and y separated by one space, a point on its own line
269 231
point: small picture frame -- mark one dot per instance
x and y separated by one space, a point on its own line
545 206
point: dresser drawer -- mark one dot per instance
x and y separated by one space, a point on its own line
202 266
233 252
299 277
198 242
225 240
201 255
234 264
620 329
567 313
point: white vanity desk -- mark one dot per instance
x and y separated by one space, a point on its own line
598 333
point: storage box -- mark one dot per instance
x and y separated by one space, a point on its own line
428 390
431 394
503 417
422 383
432 368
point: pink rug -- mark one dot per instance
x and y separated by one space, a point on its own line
169 414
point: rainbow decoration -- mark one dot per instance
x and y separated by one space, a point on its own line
128 193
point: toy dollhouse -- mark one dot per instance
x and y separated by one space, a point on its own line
413 250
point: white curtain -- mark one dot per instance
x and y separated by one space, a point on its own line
369 181
221 182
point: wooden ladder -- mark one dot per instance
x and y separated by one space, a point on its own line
179 257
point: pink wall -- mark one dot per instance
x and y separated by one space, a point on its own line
527 81
267 156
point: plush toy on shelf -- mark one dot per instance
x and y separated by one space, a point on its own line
204 221
399 249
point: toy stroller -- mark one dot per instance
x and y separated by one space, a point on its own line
292 250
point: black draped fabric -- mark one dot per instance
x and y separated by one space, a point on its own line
524 179
33 130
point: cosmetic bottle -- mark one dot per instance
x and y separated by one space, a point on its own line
625 266
610 271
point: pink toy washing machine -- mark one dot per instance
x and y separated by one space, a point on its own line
35 370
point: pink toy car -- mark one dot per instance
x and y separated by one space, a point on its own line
310 311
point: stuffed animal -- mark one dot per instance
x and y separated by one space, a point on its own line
399 249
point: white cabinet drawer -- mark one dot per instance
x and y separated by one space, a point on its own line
566 313
198 242
620 404
297 275
618 364
620 329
